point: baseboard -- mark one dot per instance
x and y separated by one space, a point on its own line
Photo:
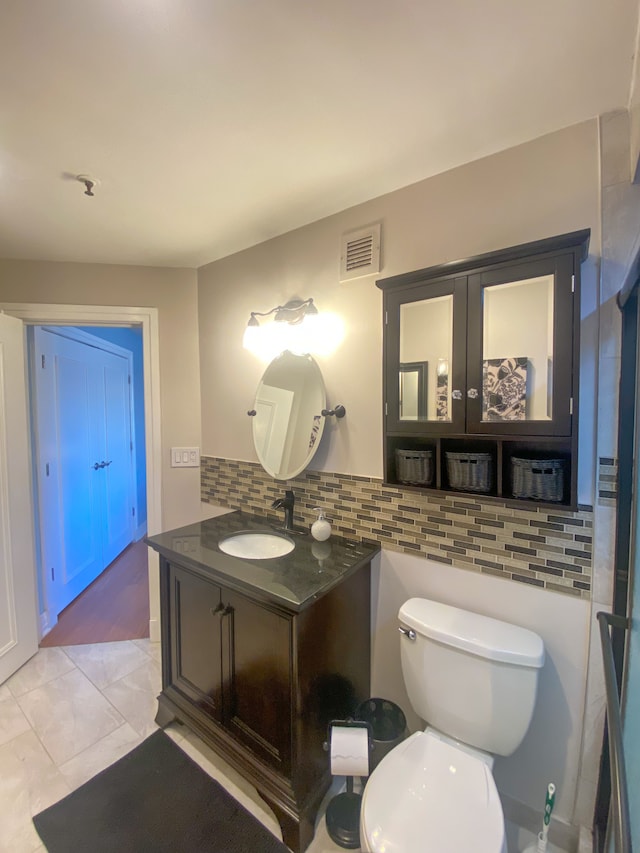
46 623
562 834
585 840
154 630
141 532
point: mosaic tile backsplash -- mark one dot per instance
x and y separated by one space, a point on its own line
607 481
543 547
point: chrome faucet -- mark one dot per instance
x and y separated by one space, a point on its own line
286 503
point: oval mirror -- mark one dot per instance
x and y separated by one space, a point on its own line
288 423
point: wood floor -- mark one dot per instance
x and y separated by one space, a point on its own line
114 607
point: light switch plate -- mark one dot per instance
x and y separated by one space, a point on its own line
185 457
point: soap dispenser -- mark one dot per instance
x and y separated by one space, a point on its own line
320 529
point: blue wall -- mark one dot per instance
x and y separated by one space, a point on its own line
131 339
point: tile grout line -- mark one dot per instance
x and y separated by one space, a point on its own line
75 666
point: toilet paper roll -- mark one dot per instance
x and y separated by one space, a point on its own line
349 751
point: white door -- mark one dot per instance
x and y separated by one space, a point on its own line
85 465
271 423
118 525
18 604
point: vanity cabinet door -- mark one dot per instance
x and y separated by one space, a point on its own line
196 611
257 654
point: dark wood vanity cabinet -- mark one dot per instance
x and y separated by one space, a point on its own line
231 658
260 682
481 366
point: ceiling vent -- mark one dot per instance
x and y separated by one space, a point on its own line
360 252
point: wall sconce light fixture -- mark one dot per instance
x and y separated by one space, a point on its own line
296 326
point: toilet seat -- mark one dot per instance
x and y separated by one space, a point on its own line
429 795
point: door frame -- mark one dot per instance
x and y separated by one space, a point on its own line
44 314
49 619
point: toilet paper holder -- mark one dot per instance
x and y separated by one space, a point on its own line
349 723
343 812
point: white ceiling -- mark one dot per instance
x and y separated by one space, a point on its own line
213 125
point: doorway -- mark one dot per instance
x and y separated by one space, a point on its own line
147 320
87 409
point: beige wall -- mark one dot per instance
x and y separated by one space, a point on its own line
549 186
537 190
620 200
540 189
174 293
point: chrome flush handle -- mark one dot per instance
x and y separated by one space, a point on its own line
408 632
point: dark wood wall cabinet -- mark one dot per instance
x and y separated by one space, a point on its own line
257 660
481 368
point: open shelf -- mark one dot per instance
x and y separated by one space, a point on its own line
490 472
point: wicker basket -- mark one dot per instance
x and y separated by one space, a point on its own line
537 479
414 467
470 472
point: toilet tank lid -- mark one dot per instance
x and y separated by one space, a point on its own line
479 635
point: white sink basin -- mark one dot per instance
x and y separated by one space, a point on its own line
256 546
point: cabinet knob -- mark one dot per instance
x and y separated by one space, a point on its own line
218 609
472 393
456 395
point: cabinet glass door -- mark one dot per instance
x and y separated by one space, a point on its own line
426 351
519 351
424 381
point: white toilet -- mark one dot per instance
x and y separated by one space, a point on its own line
474 680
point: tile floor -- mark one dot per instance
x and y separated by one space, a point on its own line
71 711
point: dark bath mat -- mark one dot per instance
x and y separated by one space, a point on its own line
153 800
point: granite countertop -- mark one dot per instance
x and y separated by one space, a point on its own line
295 580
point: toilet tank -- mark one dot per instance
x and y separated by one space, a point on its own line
469 676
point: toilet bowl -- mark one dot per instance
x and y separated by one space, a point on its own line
430 795
474 680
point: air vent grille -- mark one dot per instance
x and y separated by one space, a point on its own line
360 252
